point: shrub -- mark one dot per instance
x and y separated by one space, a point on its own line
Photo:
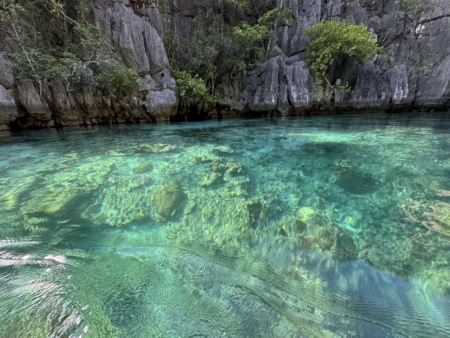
249 50
332 41
191 89
117 80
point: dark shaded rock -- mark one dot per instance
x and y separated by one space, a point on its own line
161 104
8 109
355 182
345 250
411 73
324 148
31 100
139 44
266 94
6 74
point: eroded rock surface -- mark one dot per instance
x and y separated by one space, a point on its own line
412 72
168 199
8 110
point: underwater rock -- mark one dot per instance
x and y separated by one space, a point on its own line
210 178
219 219
218 166
34 224
443 193
168 198
153 148
350 222
236 186
345 249
438 219
381 199
323 191
304 214
254 209
143 168
11 190
439 280
51 199
324 148
222 150
391 254
234 169
205 158
291 227
115 153
123 202
355 182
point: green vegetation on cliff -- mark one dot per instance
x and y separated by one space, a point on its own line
236 36
191 89
332 41
52 43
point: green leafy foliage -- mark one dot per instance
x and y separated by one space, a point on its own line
411 8
276 17
191 89
415 7
332 41
117 80
231 39
45 68
207 54
51 42
249 49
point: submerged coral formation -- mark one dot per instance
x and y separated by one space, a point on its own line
373 195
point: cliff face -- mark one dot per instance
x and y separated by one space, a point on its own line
412 73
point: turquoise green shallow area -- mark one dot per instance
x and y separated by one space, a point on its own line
306 227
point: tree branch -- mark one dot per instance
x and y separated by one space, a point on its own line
424 21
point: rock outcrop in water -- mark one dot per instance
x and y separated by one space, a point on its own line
168 199
412 73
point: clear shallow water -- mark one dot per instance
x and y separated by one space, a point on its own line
315 227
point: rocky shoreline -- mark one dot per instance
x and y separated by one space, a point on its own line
412 73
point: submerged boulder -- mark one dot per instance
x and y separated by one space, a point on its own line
168 198
355 181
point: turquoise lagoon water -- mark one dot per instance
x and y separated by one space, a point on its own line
307 227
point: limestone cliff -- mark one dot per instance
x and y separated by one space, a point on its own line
412 73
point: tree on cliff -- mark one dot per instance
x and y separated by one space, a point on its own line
332 41
235 36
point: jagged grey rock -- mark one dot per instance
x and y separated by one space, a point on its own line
160 104
137 42
6 73
412 72
8 109
31 100
267 86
